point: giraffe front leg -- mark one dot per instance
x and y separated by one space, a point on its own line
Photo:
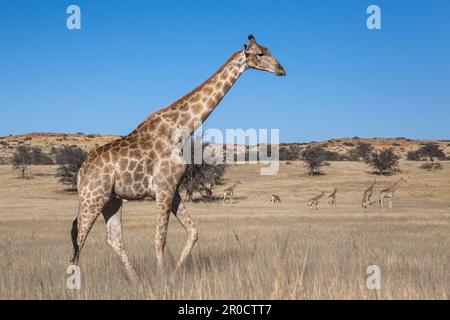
163 203
391 198
180 212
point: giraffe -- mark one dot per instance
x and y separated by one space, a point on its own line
142 163
332 198
228 192
367 197
275 199
314 202
389 192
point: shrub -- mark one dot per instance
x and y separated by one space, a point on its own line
384 161
413 156
353 155
39 157
431 166
331 156
69 159
363 150
288 153
348 144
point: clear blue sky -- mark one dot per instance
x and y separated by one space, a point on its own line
133 57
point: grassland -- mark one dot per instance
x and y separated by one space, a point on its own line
252 249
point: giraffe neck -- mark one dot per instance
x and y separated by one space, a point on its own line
190 111
234 186
396 185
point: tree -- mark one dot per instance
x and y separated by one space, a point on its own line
21 159
69 159
431 151
383 161
202 178
314 158
431 166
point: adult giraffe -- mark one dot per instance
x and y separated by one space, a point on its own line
141 164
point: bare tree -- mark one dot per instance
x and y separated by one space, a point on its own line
383 161
69 159
21 159
25 155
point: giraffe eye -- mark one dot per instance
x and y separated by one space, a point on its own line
260 54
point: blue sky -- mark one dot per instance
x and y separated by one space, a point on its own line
133 57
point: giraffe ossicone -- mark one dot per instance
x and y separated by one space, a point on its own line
140 164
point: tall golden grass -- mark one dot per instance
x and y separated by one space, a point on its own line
252 249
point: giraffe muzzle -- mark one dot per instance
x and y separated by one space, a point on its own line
281 72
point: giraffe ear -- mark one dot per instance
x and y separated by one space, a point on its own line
245 47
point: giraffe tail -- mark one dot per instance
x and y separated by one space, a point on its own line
74 235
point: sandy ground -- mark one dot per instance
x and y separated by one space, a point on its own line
252 249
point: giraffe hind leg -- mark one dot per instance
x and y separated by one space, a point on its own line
81 227
180 212
114 234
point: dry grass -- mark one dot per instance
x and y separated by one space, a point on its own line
252 249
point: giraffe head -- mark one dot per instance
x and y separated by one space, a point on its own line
259 57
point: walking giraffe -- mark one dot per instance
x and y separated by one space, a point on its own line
142 163
229 192
367 196
389 192
332 198
314 202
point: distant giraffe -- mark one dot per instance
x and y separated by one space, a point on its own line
275 198
389 192
332 198
229 192
314 202
367 200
